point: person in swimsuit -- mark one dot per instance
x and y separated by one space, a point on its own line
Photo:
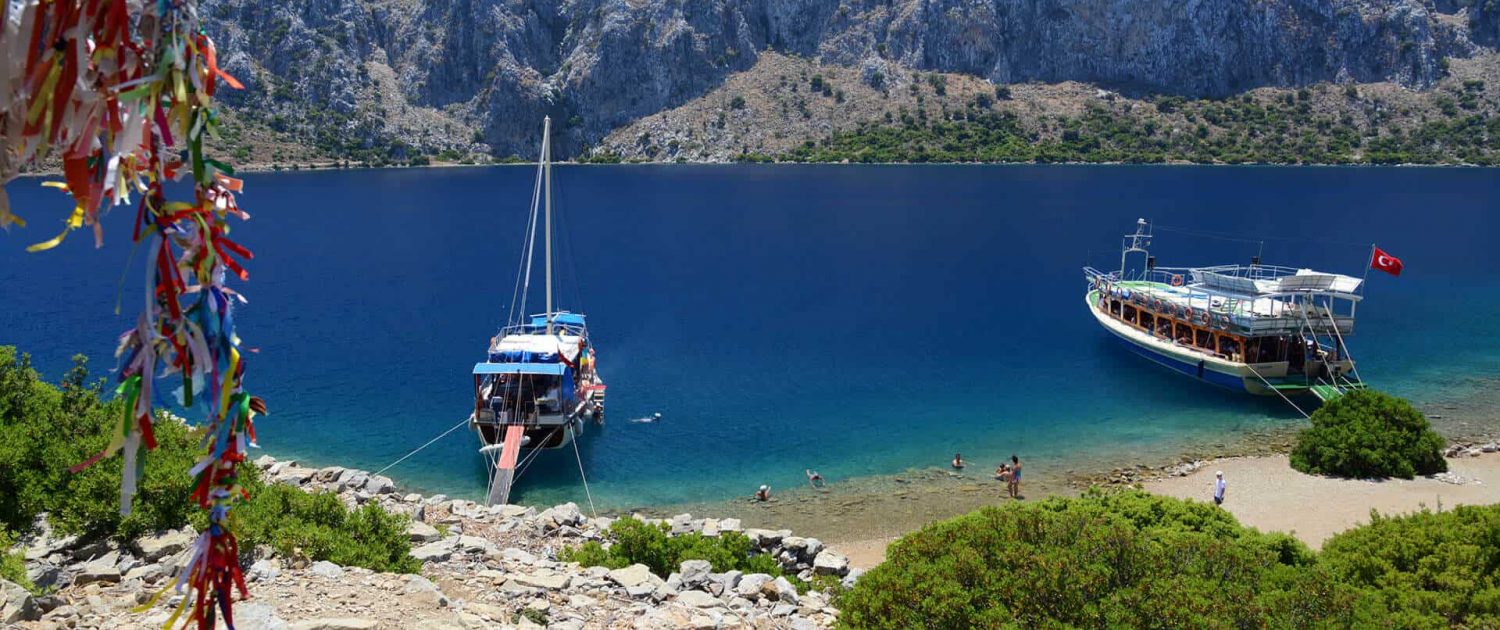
813 478
1015 477
958 461
763 494
1003 474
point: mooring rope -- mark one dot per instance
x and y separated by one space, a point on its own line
419 448
590 495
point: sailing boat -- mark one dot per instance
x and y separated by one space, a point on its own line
539 380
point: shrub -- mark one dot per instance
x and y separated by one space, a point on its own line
45 429
318 525
1426 570
13 563
639 542
1369 434
1126 560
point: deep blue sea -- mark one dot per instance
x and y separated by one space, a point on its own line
857 320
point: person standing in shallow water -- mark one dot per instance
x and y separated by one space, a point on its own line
1219 487
958 461
1015 477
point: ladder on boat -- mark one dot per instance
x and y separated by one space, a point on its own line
1329 391
505 466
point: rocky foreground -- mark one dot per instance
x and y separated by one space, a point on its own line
482 567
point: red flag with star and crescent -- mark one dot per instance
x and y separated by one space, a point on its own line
1385 262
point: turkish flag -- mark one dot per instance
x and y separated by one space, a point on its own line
1385 262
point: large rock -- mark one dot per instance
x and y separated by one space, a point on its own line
327 569
380 484
750 585
781 589
565 514
634 575
694 572
101 570
438 551
256 615
16 605
698 599
830 563
548 580
420 532
161 545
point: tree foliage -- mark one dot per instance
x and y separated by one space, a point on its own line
1124 560
46 429
1369 434
639 542
1425 570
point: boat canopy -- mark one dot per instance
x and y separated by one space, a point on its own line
1303 280
560 318
545 369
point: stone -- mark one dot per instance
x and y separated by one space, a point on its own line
264 570
254 615
698 599
813 548
750 585
694 572
327 569
783 610
578 600
264 461
710 527
634 575
419 532
730 525
156 547
380 484
101 570
830 563
545 580
144 573
475 544
518 555
16 605
48 576
330 473
439 551
340 623
682 524
1490 447
565 514
763 538
783 590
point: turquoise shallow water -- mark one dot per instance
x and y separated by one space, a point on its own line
857 320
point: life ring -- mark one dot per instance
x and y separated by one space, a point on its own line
1204 316
1176 279
1190 313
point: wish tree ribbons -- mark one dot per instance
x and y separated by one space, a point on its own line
120 94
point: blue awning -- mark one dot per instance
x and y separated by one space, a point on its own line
549 369
563 318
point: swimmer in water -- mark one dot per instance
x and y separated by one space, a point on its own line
654 417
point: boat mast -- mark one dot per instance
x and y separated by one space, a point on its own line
547 164
1137 242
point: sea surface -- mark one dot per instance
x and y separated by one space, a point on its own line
858 320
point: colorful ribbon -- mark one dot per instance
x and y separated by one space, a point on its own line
121 93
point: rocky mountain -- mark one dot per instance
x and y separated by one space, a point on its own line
398 77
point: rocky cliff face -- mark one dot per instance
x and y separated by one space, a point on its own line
430 73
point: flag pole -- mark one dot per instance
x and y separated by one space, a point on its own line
1369 262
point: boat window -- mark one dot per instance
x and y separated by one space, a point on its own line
1147 320
1184 333
1129 314
1229 346
1203 339
1114 306
1164 327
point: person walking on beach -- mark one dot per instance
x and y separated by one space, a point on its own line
1219 486
1015 477
813 478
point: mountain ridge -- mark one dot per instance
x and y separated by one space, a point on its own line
391 79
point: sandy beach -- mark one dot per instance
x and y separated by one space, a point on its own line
1265 493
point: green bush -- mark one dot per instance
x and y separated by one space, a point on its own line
1369 434
1425 570
638 542
1125 560
318 525
13 563
46 429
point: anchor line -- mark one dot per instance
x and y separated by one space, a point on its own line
419 448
